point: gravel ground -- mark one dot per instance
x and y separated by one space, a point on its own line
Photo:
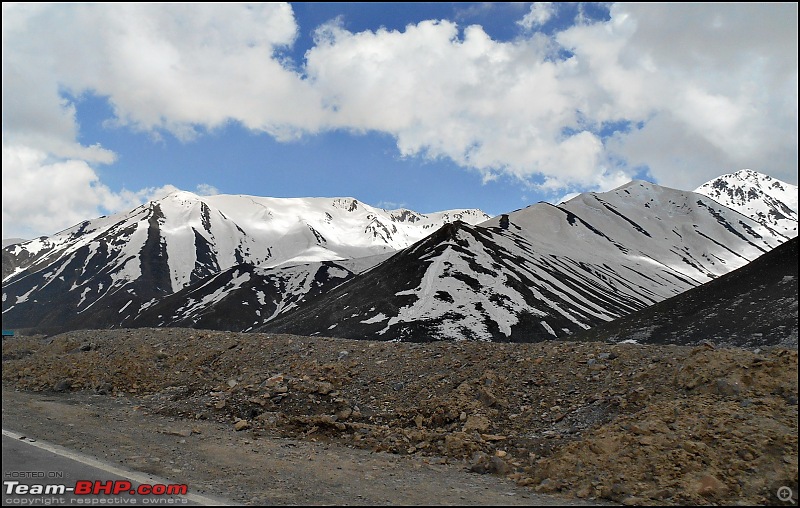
446 422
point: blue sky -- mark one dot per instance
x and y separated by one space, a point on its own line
428 106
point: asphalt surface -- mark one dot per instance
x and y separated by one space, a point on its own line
38 473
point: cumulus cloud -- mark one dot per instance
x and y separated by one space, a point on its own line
540 13
205 189
175 67
684 91
714 89
179 68
43 196
701 90
497 107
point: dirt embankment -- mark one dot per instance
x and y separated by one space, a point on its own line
626 423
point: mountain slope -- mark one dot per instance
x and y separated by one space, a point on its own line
753 306
244 297
540 273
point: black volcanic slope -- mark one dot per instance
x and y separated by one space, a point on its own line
753 306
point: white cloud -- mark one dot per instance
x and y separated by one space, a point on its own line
540 13
391 205
703 89
493 106
205 189
182 68
177 67
43 196
714 86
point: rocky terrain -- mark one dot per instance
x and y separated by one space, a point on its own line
640 425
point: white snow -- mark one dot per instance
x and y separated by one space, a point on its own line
377 318
83 295
23 298
757 196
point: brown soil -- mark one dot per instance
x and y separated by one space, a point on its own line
625 423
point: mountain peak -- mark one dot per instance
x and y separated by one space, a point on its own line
181 195
768 200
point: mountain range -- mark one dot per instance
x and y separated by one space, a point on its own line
87 275
338 267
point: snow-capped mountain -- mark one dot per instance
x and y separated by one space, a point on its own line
86 273
763 198
337 267
540 273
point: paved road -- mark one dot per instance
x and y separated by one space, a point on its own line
36 473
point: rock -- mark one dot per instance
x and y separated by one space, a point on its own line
103 388
241 425
486 397
620 489
548 485
727 388
647 440
324 388
483 464
232 383
257 400
479 463
477 423
710 486
179 433
499 466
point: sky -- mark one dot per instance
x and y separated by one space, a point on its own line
427 106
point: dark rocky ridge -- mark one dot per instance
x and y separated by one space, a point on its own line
753 306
